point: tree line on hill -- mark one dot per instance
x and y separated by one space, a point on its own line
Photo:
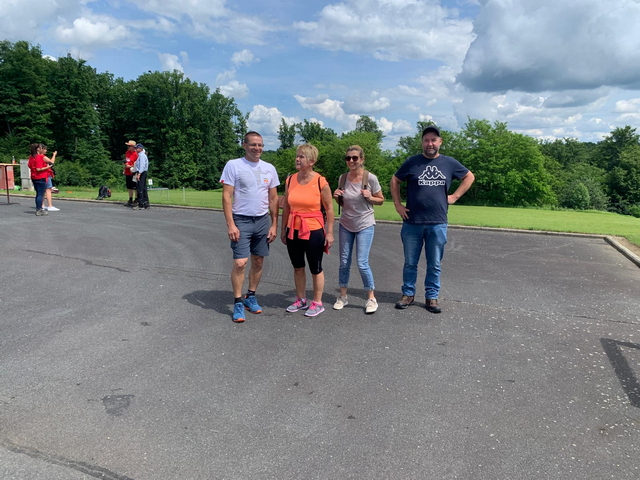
190 133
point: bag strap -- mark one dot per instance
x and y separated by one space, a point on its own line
320 190
342 181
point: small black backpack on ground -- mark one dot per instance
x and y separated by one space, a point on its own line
103 192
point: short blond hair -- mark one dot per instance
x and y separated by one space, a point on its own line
309 151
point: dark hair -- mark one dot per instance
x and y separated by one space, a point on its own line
43 146
250 134
33 149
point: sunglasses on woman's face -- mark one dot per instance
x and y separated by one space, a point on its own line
354 158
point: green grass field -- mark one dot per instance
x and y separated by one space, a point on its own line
596 222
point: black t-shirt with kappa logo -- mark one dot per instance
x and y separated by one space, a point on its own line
428 182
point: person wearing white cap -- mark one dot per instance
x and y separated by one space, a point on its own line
130 158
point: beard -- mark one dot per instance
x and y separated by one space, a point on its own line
431 152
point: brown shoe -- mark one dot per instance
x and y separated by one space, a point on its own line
404 302
432 305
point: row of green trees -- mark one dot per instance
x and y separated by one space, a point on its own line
191 132
511 169
87 116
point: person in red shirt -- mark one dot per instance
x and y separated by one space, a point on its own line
39 174
131 155
48 204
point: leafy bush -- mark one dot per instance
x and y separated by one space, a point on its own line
72 174
576 196
634 210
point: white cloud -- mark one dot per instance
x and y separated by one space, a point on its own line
192 8
390 30
364 106
329 108
225 76
536 132
398 127
234 89
627 106
210 19
628 118
322 105
88 34
550 45
226 81
267 120
170 62
28 19
573 119
160 24
185 58
245 57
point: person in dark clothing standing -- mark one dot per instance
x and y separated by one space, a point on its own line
142 167
428 178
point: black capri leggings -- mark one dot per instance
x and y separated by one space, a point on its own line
312 248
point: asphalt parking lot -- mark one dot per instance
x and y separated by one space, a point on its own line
119 360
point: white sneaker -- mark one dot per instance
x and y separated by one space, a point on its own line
371 305
52 209
45 208
341 302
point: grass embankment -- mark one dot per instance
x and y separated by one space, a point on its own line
595 222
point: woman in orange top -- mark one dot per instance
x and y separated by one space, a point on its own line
304 230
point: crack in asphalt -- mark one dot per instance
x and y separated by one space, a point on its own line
83 467
86 262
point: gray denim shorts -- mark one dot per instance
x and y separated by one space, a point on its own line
253 236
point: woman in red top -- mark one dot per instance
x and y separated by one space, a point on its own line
39 174
130 158
304 231
48 204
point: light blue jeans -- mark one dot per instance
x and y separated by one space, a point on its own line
433 237
363 240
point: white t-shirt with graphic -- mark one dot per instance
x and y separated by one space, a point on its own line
251 182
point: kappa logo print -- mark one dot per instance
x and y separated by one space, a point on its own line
431 177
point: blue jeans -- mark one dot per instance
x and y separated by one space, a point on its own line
363 240
39 185
434 238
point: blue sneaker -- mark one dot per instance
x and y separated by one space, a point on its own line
251 304
238 312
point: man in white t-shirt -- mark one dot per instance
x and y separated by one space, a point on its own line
249 198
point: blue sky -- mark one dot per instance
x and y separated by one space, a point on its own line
549 69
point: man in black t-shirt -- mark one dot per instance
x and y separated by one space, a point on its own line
428 178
